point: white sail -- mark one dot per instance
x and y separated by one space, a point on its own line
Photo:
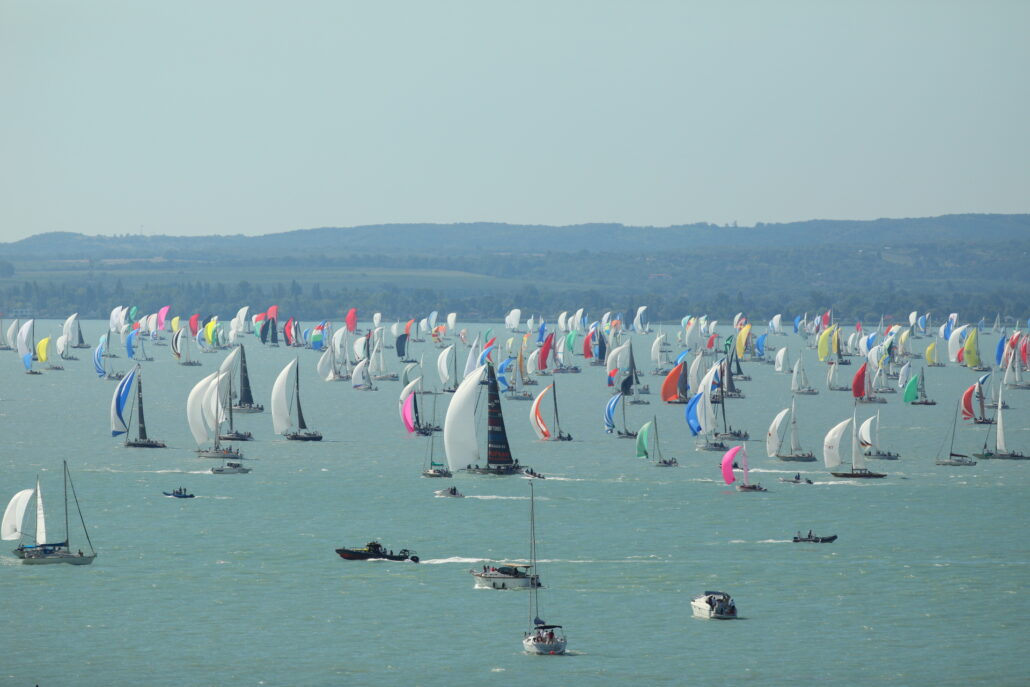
577 321
10 529
324 367
772 437
12 332
531 361
615 357
361 376
472 361
865 433
62 345
656 349
638 319
24 345
831 444
955 342
452 321
443 368
780 362
775 323
40 516
705 412
459 429
795 442
195 411
377 318
212 402
280 399
359 348
231 361
561 320
68 330
857 459
694 372
904 375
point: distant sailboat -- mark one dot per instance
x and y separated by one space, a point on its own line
869 438
124 400
774 440
730 460
831 451
953 459
1001 449
541 638
245 403
649 447
536 418
286 409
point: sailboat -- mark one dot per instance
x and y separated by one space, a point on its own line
124 399
953 459
648 446
407 405
774 441
831 378
459 430
100 358
286 405
862 388
915 391
180 348
831 450
43 551
969 410
26 344
609 418
536 418
799 383
245 403
448 371
870 438
1001 450
729 461
727 430
541 638
226 372
434 468
204 415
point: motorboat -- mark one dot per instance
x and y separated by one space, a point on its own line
374 551
179 493
812 539
451 492
714 605
506 577
230 468
796 479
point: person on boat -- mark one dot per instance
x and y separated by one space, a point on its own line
550 636
797 476
809 534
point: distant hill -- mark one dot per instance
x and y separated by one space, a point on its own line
444 240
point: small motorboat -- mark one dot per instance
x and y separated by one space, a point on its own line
374 551
796 479
451 492
230 468
751 487
714 605
179 493
666 463
812 539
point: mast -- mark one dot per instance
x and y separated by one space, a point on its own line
554 397
66 502
795 443
533 600
657 447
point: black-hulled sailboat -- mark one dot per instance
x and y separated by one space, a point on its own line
286 411
125 405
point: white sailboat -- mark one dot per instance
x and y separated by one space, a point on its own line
541 638
1001 449
831 450
869 438
286 410
42 551
774 440
203 421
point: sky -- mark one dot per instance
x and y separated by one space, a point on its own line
232 117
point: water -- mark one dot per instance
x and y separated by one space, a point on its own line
926 584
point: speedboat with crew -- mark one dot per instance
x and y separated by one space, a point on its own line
374 551
717 605
179 493
230 468
451 492
813 539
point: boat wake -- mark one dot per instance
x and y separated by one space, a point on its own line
495 497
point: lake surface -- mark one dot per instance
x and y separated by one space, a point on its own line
241 585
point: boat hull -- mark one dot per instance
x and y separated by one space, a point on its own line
859 475
362 555
815 540
491 580
544 648
57 557
701 609
798 458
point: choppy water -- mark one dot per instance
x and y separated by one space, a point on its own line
926 584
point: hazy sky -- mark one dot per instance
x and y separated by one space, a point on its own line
253 117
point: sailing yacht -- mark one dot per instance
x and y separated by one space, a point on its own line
870 439
831 378
831 450
729 461
286 410
43 551
541 638
433 468
648 446
204 414
953 459
774 441
459 430
536 418
915 391
609 418
799 383
180 348
245 403
1001 450
227 368
124 399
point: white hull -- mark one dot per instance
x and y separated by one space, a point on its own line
701 609
555 648
498 581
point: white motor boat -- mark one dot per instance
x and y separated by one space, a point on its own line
505 577
718 605
450 492
230 468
